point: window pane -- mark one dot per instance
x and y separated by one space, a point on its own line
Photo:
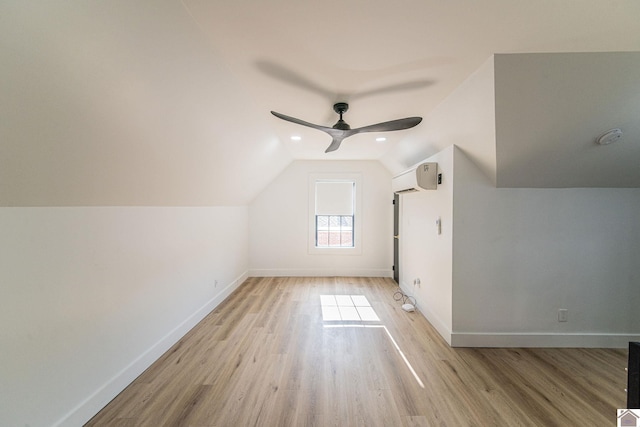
323 238
334 238
334 231
346 238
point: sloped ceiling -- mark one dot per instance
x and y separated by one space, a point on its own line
162 102
550 110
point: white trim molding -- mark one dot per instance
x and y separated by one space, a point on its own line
99 399
570 340
431 317
319 272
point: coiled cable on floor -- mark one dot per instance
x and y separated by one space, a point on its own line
401 296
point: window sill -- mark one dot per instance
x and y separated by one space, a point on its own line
313 250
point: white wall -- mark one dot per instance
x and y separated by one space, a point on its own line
467 119
522 254
279 224
518 255
91 296
425 254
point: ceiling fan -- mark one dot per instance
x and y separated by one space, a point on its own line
342 130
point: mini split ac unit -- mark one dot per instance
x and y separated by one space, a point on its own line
422 177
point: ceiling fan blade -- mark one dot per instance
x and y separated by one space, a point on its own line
341 130
335 144
399 124
303 123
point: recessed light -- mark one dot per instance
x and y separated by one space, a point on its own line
381 139
296 138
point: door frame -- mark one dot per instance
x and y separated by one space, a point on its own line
396 237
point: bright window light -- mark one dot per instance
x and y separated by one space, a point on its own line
367 314
356 308
351 308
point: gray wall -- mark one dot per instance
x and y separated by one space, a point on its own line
522 254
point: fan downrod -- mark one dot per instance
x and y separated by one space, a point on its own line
341 107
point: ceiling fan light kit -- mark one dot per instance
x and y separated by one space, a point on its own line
342 130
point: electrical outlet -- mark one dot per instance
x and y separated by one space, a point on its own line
416 282
563 315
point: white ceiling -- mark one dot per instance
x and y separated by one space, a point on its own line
162 102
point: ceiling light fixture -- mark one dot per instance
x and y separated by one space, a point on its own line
381 139
609 137
296 138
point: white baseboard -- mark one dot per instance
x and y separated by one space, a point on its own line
320 272
84 411
573 340
434 320
523 339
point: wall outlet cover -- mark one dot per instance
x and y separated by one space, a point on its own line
563 315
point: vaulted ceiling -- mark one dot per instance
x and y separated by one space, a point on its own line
166 102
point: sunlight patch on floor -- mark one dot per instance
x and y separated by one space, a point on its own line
347 308
350 308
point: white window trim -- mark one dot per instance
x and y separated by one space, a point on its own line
357 213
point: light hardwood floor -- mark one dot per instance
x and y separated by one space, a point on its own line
265 357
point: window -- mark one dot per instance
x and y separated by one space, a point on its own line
334 201
334 231
334 214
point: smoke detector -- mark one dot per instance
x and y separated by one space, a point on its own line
609 137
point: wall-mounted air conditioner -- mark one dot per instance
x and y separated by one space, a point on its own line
422 177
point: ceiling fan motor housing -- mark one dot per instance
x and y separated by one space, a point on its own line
341 107
342 125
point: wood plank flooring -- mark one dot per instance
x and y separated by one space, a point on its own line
265 357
